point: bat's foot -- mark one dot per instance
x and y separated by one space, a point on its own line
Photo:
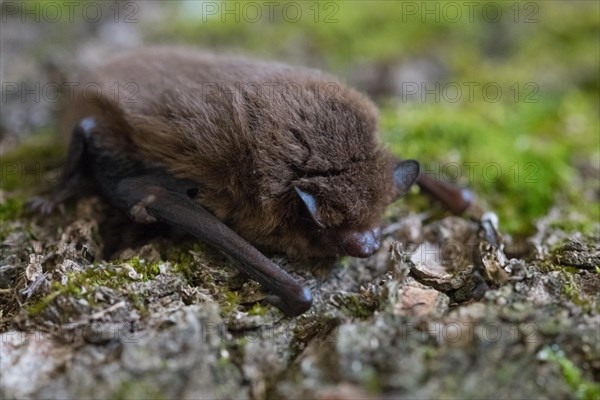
140 214
456 199
44 206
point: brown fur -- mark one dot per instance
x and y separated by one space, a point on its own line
249 148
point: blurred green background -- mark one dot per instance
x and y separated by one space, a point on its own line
500 96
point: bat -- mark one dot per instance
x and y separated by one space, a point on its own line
248 156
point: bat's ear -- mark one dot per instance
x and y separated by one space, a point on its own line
406 173
310 202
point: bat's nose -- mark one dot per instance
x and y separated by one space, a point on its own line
362 244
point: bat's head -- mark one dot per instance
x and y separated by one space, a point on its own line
341 179
343 219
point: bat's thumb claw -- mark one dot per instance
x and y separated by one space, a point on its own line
293 304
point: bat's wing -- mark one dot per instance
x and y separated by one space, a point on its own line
150 198
150 194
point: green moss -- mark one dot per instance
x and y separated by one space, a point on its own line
40 305
582 220
35 161
139 302
184 269
571 290
337 34
583 389
82 284
258 310
138 388
146 271
512 154
355 304
181 257
372 381
10 209
209 276
344 261
224 360
229 302
567 281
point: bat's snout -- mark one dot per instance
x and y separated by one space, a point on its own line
362 244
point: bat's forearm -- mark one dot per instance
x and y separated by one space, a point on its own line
178 209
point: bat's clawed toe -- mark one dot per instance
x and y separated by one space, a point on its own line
43 206
464 199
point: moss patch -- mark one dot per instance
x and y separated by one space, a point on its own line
83 284
35 162
583 389
10 209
